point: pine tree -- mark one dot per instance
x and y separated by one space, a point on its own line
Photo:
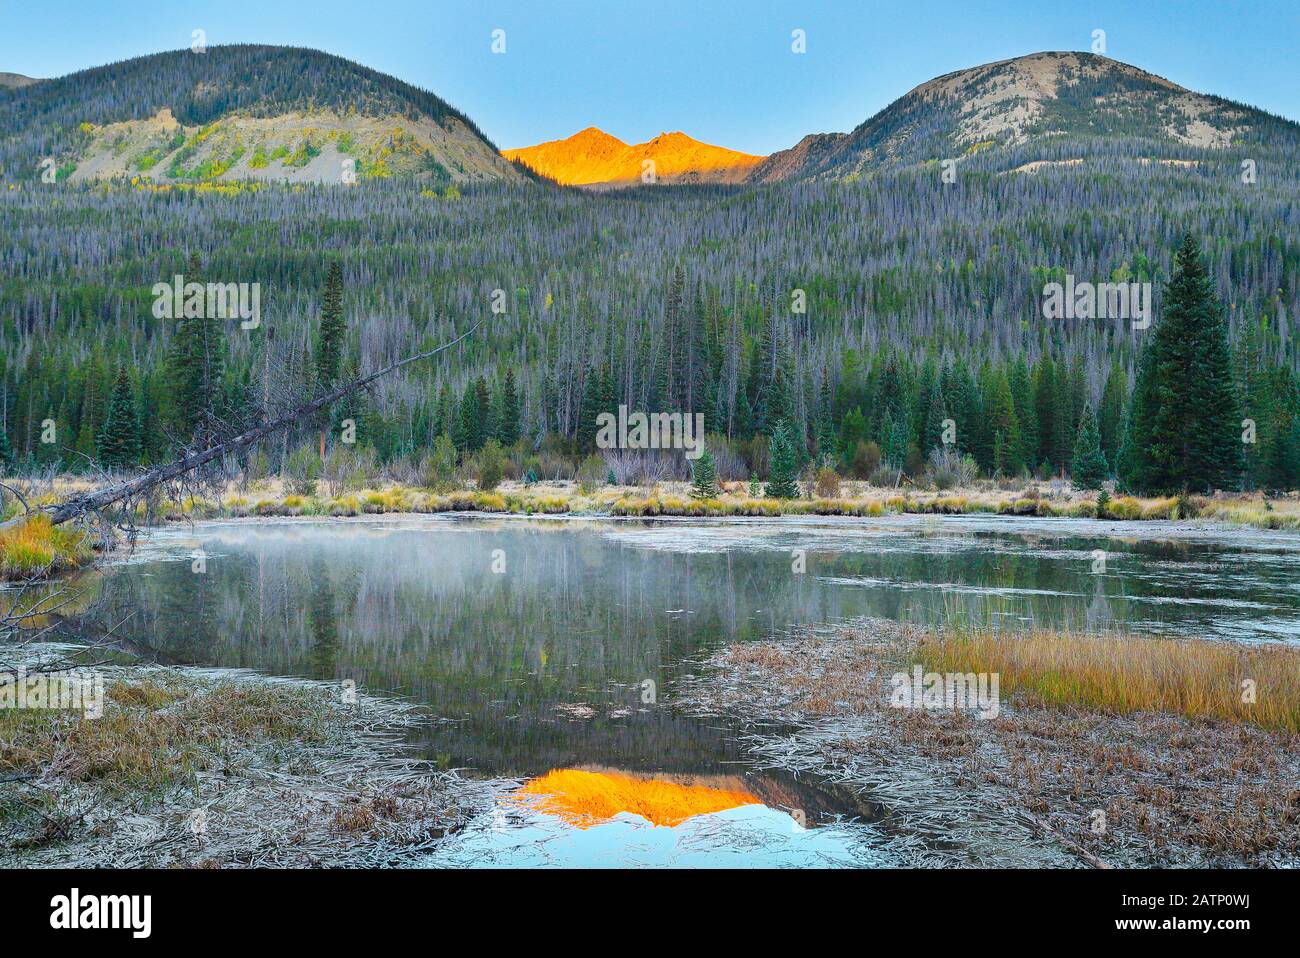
783 475
1110 414
6 452
588 411
704 477
1088 468
1004 423
196 366
329 343
119 440
1184 422
508 415
466 430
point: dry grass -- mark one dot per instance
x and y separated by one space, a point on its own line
281 773
1051 499
38 547
1195 678
156 731
1177 787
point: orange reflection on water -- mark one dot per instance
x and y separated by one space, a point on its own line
589 798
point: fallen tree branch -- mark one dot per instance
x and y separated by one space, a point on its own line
93 502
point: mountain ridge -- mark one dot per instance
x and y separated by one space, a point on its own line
1050 97
593 158
241 111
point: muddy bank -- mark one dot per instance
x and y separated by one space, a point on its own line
1035 785
187 767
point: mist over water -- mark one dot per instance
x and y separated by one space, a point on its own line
545 665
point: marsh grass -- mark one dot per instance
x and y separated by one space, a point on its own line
157 731
37 547
1126 674
282 770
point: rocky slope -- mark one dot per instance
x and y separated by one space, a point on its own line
1044 100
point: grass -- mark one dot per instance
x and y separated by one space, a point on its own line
1124 675
1263 515
38 547
1152 732
157 731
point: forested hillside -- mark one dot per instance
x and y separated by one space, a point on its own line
237 112
681 299
863 311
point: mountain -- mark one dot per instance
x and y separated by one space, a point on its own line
14 80
240 112
594 158
1060 105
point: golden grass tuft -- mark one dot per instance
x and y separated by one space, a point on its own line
37 546
1195 678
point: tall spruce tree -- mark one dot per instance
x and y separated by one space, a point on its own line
1184 424
508 411
119 440
704 477
196 368
1088 467
784 472
329 342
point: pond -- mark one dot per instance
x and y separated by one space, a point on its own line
548 648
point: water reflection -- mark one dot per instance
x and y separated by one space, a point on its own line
559 659
544 648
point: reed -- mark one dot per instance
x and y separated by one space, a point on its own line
1196 678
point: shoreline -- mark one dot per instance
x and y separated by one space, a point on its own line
1107 787
215 768
35 548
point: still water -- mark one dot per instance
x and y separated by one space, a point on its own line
544 645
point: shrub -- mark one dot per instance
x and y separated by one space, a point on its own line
439 470
302 468
491 465
590 474
826 485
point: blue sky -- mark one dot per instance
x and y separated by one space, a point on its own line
721 71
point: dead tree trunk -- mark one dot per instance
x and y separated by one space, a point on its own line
95 501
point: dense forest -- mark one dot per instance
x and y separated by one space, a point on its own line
863 314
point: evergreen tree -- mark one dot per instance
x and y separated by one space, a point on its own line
1184 422
588 410
6 452
467 429
1110 414
119 440
329 342
704 477
196 367
1005 424
1088 468
783 475
508 415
